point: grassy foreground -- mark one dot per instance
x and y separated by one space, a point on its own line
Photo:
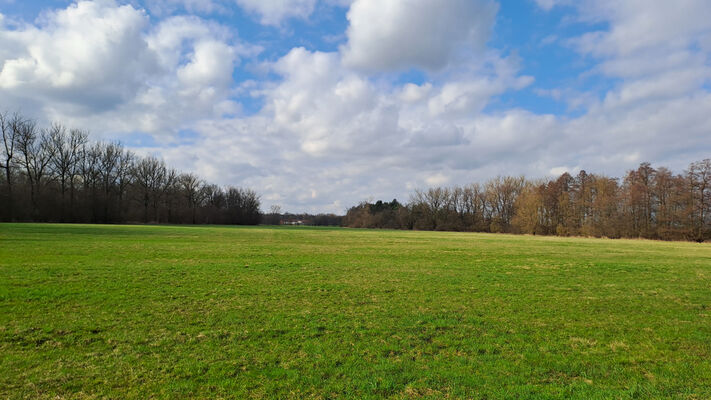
226 312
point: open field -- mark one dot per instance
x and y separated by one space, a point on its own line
260 312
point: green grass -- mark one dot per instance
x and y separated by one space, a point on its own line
262 312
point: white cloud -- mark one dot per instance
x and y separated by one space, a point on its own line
465 97
168 7
330 108
549 4
273 12
646 37
101 65
402 34
638 25
91 52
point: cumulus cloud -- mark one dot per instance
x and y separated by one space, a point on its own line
330 108
100 64
90 54
427 34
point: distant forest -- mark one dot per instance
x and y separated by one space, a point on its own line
647 203
57 174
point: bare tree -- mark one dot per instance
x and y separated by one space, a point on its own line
108 166
214 202
9 127
170 188
640 206
665 186
242 206
193 189
605 215
66 153
530 216
89 171
699 177
501 194
36 152
124 168
433 204
148 176
78 140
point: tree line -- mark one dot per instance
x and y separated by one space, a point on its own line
646 203
56 174
278 218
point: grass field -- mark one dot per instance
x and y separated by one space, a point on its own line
262 312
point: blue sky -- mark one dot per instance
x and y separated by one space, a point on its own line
320 104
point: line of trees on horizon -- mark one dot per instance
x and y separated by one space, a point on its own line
55 174
276 217
646 203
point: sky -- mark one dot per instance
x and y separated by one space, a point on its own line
320 104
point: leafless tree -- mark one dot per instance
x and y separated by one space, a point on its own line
169 192
124 171
90 176
194 189
108 174
434 204
501 194
148 176
36 153
10 128
699 177
67 147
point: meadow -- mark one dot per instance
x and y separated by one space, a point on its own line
166 312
